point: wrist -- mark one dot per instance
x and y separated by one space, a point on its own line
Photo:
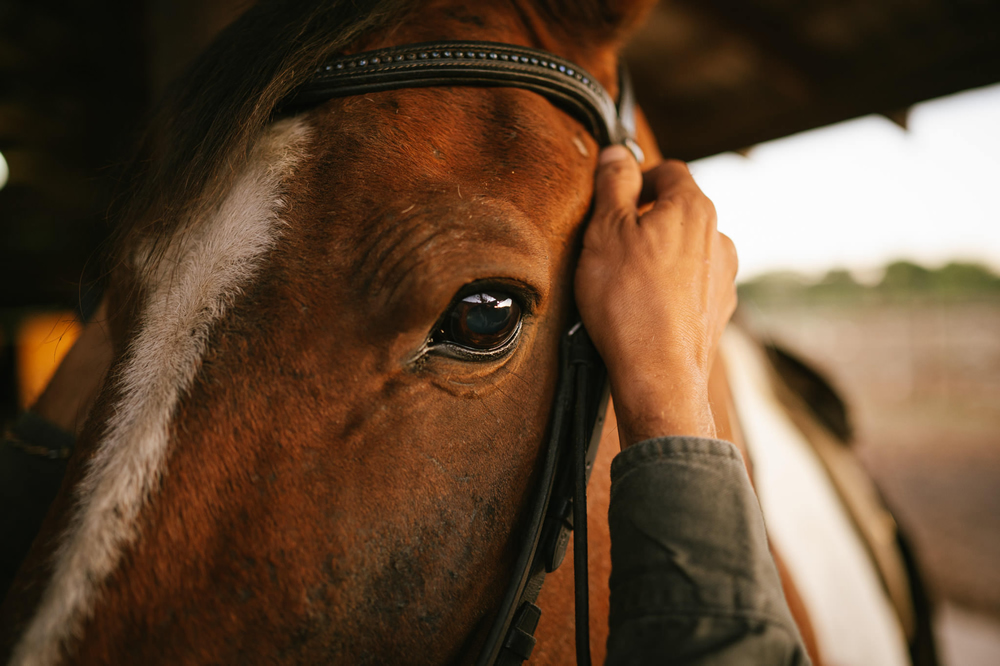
662 407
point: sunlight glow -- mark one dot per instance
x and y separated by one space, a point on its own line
864 192
42 341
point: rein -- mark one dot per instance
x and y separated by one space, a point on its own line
560 500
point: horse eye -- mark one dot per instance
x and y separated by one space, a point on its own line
482 322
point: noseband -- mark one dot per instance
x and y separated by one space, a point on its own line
560 500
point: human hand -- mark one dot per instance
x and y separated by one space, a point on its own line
655 291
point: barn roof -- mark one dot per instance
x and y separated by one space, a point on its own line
712 75
718 75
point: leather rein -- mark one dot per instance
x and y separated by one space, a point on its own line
560 500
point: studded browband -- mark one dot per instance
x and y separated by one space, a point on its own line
478 64
559 500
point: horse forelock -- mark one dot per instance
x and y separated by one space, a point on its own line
206 262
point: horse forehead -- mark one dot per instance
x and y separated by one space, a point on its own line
509 142
409 177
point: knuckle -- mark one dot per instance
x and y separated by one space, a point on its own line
618 170
691 203
700 205
673 173
675 166
620 215
707 207
728 245
731 255
673 201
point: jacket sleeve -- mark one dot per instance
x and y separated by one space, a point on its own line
692 580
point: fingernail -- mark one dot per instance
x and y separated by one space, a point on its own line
615 153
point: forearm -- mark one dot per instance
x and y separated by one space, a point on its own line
670 403
693 581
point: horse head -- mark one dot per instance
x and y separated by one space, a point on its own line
337 339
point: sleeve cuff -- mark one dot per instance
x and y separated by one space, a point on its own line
664 448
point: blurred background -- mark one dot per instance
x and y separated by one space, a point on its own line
852 148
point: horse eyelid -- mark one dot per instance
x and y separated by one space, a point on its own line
461 353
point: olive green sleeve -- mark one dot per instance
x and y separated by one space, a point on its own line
692 580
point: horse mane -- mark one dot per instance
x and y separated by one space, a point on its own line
204 128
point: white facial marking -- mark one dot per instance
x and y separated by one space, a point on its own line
581 146
209 260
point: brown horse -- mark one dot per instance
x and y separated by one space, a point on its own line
296 457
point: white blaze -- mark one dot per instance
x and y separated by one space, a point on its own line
207 263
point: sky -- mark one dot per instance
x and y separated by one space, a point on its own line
864 192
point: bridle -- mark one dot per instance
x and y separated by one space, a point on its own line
560 500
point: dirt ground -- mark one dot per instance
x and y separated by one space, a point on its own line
923 383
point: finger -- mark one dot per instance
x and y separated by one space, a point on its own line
616 187
728 265
665 179
729 255
678 199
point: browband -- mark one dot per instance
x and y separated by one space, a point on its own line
442 64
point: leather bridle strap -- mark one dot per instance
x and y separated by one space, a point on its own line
575 432
559 502
478 64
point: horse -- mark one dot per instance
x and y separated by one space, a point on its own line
302 451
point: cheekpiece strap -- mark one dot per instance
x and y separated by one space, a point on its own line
475 64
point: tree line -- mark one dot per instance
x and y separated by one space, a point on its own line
900 281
